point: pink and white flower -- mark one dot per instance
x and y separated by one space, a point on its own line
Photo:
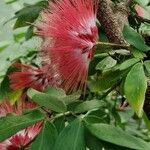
23 138
71 26
37 78
69 32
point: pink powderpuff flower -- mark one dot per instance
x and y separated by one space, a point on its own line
70 31
37 78
23 138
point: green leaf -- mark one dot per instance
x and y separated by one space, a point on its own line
92 142
146 120
46 139
135 87
3 45
71 98
97 116
143 3
28 14
72 137
97 58
117 136
60 93
71 107
88 105
12 124
106 80
46 100
29 33
138 54
106 63
10 1
109 146
126 115
57 92
135 39
147 66
18 36
128 63
60 123
6 92
5 86
14 96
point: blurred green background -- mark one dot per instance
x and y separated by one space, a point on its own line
12 42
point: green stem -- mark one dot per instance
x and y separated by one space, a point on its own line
113 45
61 115
146 120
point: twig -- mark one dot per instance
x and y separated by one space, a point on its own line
113 45
143 19
61 115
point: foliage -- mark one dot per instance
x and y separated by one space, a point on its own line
92 120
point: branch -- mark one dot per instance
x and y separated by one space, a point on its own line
113 45
143 19
61 115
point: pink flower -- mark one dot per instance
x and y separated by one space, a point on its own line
70 28
24 137
37 78
69 33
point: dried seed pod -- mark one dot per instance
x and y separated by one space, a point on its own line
109 21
